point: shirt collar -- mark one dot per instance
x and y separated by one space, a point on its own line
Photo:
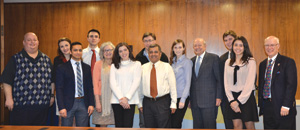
273 58
155 64
26 54
202 55
73 62
146 54
180 59
96 49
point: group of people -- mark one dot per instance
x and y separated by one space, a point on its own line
108 82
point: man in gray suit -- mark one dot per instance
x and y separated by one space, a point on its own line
206 87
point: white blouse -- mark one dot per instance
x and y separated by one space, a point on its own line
125 81
245 80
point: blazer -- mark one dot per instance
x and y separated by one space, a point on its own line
283 85
65 86
207 86
223 59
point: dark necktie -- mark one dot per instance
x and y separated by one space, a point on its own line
93 61
266 91
79 80
153 82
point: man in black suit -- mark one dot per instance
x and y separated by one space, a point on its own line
277 88
74 89
228 38
206 87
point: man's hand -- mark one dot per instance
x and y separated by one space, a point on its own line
173 110
51 101
284 111
181 105
9 103
218 102
189 106
141 109
90 110
63 113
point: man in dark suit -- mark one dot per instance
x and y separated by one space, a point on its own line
74 89
277 88
228 38
206 88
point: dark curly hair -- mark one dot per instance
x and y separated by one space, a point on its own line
116 60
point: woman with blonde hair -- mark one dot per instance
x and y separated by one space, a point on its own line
103 114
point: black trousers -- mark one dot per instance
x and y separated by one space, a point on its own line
177 117
157 113
123 117
271 122
35 117
224 106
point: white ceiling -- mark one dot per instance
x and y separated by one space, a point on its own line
38 1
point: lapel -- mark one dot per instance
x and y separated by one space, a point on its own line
264 67
83 75
226 56
70 69
203 64
193 71
276 68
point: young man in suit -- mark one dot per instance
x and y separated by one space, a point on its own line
74 89
206 87
277 88
228 38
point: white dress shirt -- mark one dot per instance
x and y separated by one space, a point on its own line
87 54
124 82
166 82
73 62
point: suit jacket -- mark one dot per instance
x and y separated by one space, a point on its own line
207 86
283 85
223 59
65 86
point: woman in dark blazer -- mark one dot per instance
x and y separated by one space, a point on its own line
63 52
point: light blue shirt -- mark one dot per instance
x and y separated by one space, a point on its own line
146 54
183 73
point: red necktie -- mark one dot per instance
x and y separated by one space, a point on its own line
93 61
153 83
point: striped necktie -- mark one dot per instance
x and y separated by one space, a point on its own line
79 80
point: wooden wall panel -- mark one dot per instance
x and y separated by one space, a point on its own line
164 18
127 20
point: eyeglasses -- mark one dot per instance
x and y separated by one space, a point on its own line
148 41
108 50
270 45
92 36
